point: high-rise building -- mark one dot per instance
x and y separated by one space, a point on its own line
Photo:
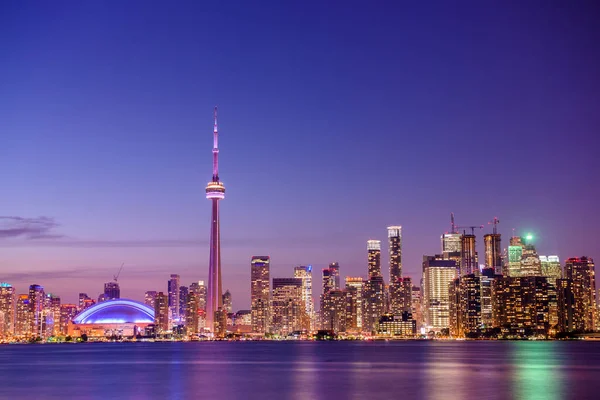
112 291
67 313
520 305
85 301
437 276
468 258
493 252
417 306
288 306
183 292
333 312
161 312
395 250
260 293
52 313
465 305
515 254
530 261
305 273
374 299
227 302
199 288
374 257
192 312
551 268
150 298
215 191
23 318
38 316
173 292
331 278
581 282
401 296
7 310
451 242
355 307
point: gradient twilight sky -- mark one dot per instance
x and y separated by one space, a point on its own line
335 122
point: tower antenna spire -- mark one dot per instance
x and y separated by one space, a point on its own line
215 149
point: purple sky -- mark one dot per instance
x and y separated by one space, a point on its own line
335 122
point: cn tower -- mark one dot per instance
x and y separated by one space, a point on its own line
215 191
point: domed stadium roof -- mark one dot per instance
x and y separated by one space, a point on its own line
117 311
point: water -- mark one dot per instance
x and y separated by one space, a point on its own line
302 370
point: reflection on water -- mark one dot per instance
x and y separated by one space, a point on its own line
537 373
303 370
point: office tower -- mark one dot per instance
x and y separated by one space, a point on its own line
192 311
493 252
354 311
227 302
260 293
7 310
52 312
183 292
437 276
330 278
416 308
333 312
199 288
374 257
374 298
288 306
451 242
580 273
397 325
173 292
468 255
215 191
486 300
515 253
465 308
67 313
530 261
401 296
520 305
161 312
38 317
305 273
395 249
85 301
551 269
112 291
150 298
23 317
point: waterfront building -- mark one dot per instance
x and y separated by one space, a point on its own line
67 313
23 317
52 313
183 292
355 287
581 283
305 273
7 310
374 257
85 301
260 293
173 293
288 306
551 269
333 312
416 308
227 302
400 296
402 325
161 313
150 298
38 316
395 252
437 276
192 313
199 288
465 305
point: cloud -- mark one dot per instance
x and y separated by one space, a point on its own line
28 228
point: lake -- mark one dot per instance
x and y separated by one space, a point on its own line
302 370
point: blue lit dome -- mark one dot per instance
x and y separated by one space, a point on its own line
117 311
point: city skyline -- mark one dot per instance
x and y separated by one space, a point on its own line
114 153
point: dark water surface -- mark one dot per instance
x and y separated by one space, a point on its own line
302 370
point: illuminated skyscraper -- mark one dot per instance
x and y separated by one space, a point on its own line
530 260
437 276
192 311
355 288
515 254
7 309
374 257
112 291
581 276
288 306
67 313
493 252
451 242
215 191
465 305
551 268
260 293
227 301
333 312
468 262
52 314
85 301
150 298
161 312
23 320
183 292
173 292
38 317
305 272
401 296
199 288
331 277
395 250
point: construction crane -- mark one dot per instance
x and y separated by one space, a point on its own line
116 277
472 228
495 222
